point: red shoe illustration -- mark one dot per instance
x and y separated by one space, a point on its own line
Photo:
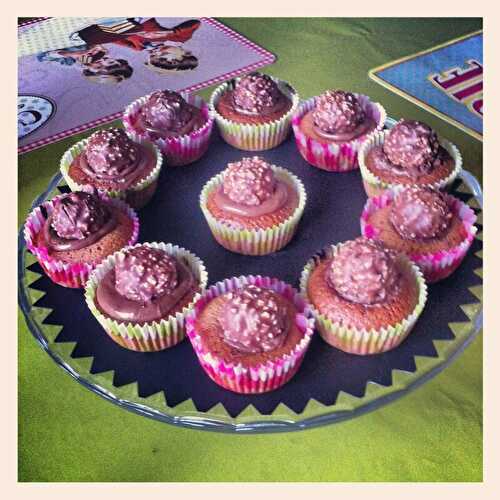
180 33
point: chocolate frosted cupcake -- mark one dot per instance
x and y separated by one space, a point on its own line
179 124
74 232
253 207
109 161
141 295
365 297
250 333
409 154
330 128
255 99
254 112
433 229
166 114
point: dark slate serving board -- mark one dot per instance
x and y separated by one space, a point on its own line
335 202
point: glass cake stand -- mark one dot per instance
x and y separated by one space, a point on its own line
36 295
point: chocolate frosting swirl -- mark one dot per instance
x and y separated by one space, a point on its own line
110 155
254 320
420 213
144 273
167 113
78 220
280 196
256 94
121 308
413 146
337 112
364 271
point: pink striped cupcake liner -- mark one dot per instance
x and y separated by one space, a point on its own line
153 335
261 377
435 266
68 274
353 340
334 157
178 151
255 241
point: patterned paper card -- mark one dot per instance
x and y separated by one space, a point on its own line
447 80
77 73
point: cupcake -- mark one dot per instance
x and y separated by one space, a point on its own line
109 161
433 229
409 154
254 112
329 129
141 295
73 232
365 297
252 207
179 124
250 334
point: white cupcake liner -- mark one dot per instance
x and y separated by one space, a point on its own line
262 376
68 274
255 137
375 186
434 265
353 340
181 150
330 156
124 194
152 335
255 241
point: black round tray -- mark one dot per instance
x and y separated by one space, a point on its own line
329 387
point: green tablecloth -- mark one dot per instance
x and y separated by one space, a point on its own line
67 433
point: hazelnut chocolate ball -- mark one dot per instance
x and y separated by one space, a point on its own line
143 274
256 93
249 181
364 271
110 153
412 145
77 215
336 112
254 320
420 213
167 111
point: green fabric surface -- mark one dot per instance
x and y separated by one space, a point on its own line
66 433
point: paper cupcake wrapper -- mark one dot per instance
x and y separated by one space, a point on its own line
180 150
260 377
335 157
140 187
72 275
356 341
374 186
255 241
252 137
434 265
153 335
